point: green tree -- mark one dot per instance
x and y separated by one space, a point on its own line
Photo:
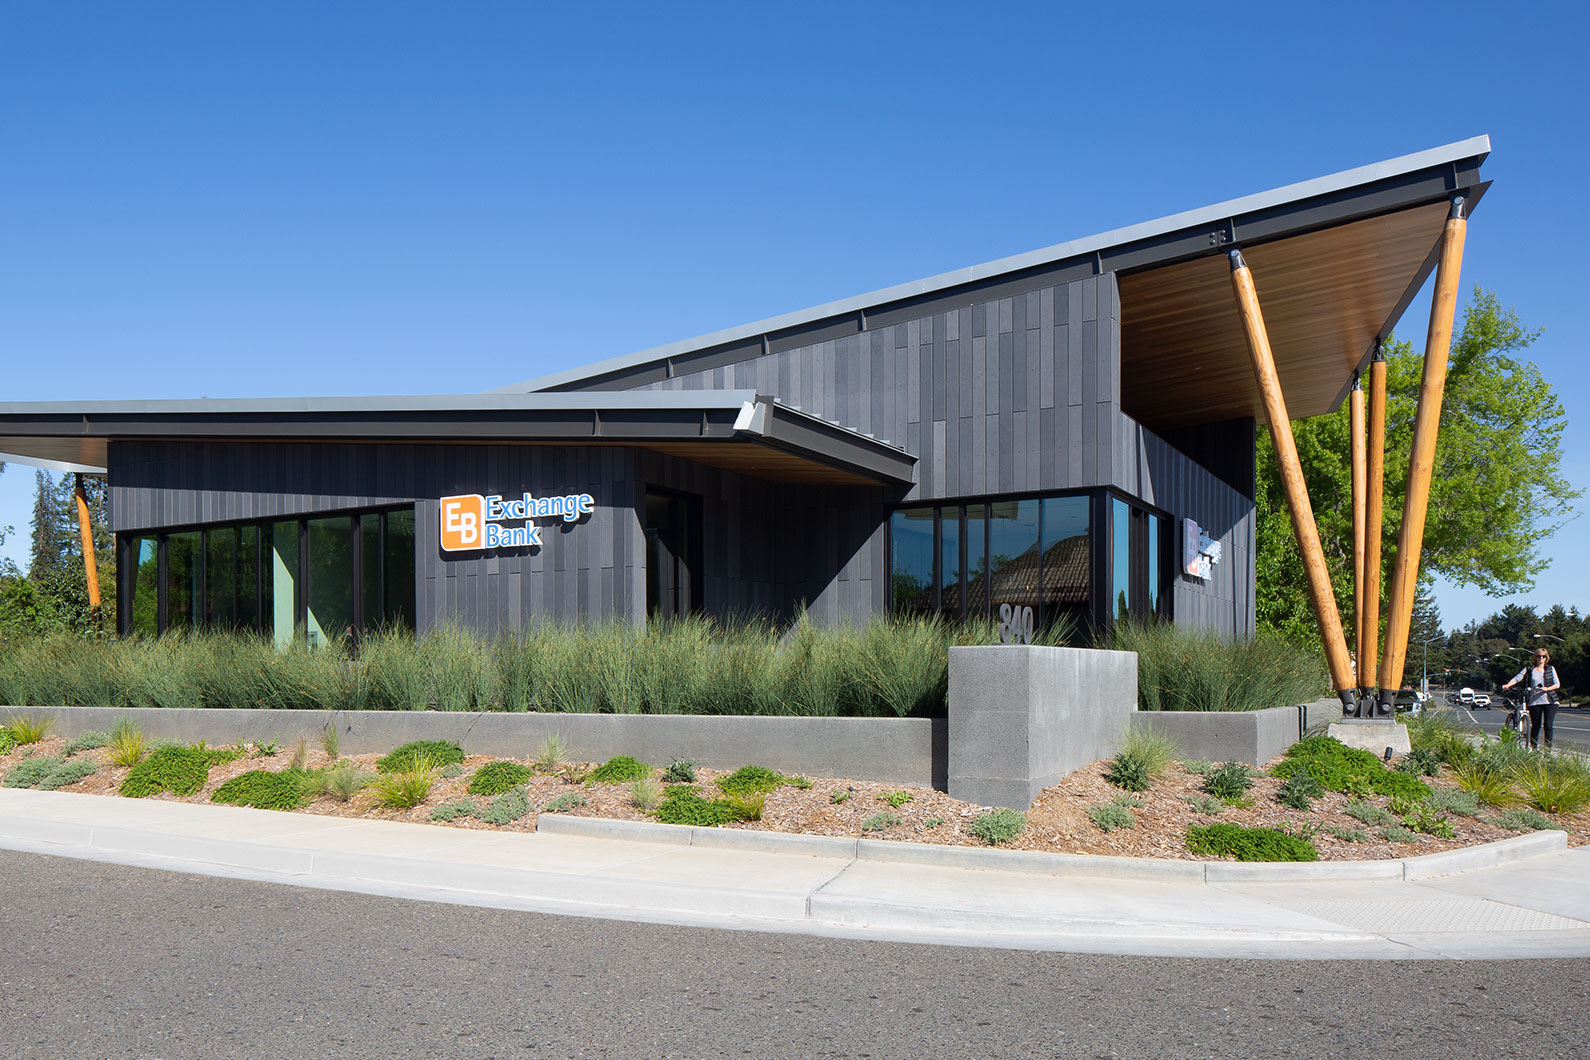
52 524
1497 492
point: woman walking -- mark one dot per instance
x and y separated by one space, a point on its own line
1540 695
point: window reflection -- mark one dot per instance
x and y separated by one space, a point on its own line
911 539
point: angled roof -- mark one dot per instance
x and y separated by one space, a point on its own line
1308 244
737 430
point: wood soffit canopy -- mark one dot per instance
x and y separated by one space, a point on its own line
1326 295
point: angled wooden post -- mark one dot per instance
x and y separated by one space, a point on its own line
1361 676
1374 516
89 567
1319 582
1421 459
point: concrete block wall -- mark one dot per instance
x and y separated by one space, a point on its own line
1023 717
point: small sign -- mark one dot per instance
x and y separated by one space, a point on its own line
1016 624
1200 552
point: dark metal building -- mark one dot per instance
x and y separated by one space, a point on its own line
1065 432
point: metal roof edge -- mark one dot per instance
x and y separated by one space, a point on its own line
484 402
1474 146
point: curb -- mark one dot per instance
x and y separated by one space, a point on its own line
1421 867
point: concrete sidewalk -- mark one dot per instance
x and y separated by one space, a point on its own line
1529 903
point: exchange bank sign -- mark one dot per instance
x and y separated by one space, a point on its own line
471 522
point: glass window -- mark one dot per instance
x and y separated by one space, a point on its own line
144 607
1155 545
279 606
911 542
184 590
976 560
1120 558
220 568
248 577
397 565
369 571
1067 558
673 554
950 593
1013 552
329 615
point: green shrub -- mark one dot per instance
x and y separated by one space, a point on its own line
1181 669
505 808
1228 781
67 773
495 778
1554 784
622 769
454 770
451 811
342 781
747 806
1197 766
1422 819
87 741
29 771
1420 762
1519 819
839 795
435 753
26 729
1368 812
932 823
1396 833
550 753
646 793
1248 844
1346 835
998 826
1154 749
263 790
182 771
1489 783
680 771
897 799
402 789
684 805
8 743
127 744
1299 792
1206 804
749 779
879 821
1131 802
1129 772
1337 767
1454 800
1109 816
569 800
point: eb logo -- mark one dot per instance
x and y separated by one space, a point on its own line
463 523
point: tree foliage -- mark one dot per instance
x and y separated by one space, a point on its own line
1497 491
53 595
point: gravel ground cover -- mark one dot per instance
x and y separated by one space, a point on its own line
1059 820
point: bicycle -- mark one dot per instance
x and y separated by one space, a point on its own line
1517 716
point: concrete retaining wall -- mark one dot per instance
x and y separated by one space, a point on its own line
1253 737
1023 717
896 750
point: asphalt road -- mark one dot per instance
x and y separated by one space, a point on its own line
1572 727
100 960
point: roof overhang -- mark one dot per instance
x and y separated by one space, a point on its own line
736 430
1336 259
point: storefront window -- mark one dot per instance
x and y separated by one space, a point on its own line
1120 559
976 560
360 570
1067 559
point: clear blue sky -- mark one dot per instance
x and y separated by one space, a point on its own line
362 198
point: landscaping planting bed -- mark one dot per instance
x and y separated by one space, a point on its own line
1084 814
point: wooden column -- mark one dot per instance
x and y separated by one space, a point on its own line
1421 460
1319 582
1374 515
89 565
1361 676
